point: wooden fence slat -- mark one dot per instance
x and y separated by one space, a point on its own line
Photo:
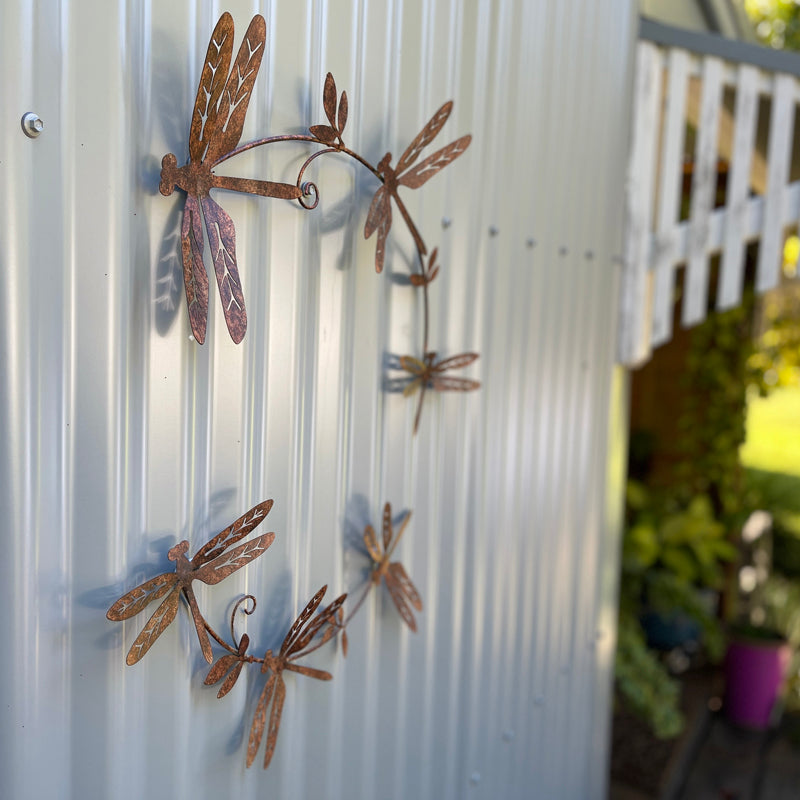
746 116
634 334
781 125
704 184
670 182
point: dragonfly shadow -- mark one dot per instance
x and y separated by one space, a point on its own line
169 91
168 286
394 385
149 545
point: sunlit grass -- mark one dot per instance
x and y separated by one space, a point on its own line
773 433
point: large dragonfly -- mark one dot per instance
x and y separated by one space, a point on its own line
379 217
402 591
217 121
298 642
212 562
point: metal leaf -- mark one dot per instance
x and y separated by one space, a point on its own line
342 116
329 99
325 133
230 681
220 668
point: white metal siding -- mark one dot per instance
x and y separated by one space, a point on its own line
119 435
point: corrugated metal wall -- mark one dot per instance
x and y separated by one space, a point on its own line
119 435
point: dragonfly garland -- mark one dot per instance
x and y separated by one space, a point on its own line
221 103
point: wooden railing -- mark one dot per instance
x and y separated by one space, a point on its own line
735 178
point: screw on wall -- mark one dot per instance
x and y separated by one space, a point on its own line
493 230
530 242
446 222
475 778
32 125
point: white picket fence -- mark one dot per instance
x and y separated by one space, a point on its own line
676 90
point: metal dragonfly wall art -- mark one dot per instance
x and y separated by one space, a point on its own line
223 95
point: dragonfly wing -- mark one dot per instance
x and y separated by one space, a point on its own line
233 533
195 278
236 95
156 625
378 209
199 624
456 362
325 617
260 719
275 720
443 384
371 542
301 620
400 601
137 599
220 669
426 169
212 81
425 136
222 241
404 582
222 566
309 672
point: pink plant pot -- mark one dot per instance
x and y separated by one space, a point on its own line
755 671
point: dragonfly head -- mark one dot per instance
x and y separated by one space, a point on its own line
176 552
383 164
169 174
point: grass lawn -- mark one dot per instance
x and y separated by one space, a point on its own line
773 433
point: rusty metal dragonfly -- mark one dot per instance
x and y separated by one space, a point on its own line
402 591
379 217
217 122
299 642
212 562
427 374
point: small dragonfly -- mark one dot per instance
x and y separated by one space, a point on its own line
212 562
379 217
296 644
428 375
217 121
402 591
